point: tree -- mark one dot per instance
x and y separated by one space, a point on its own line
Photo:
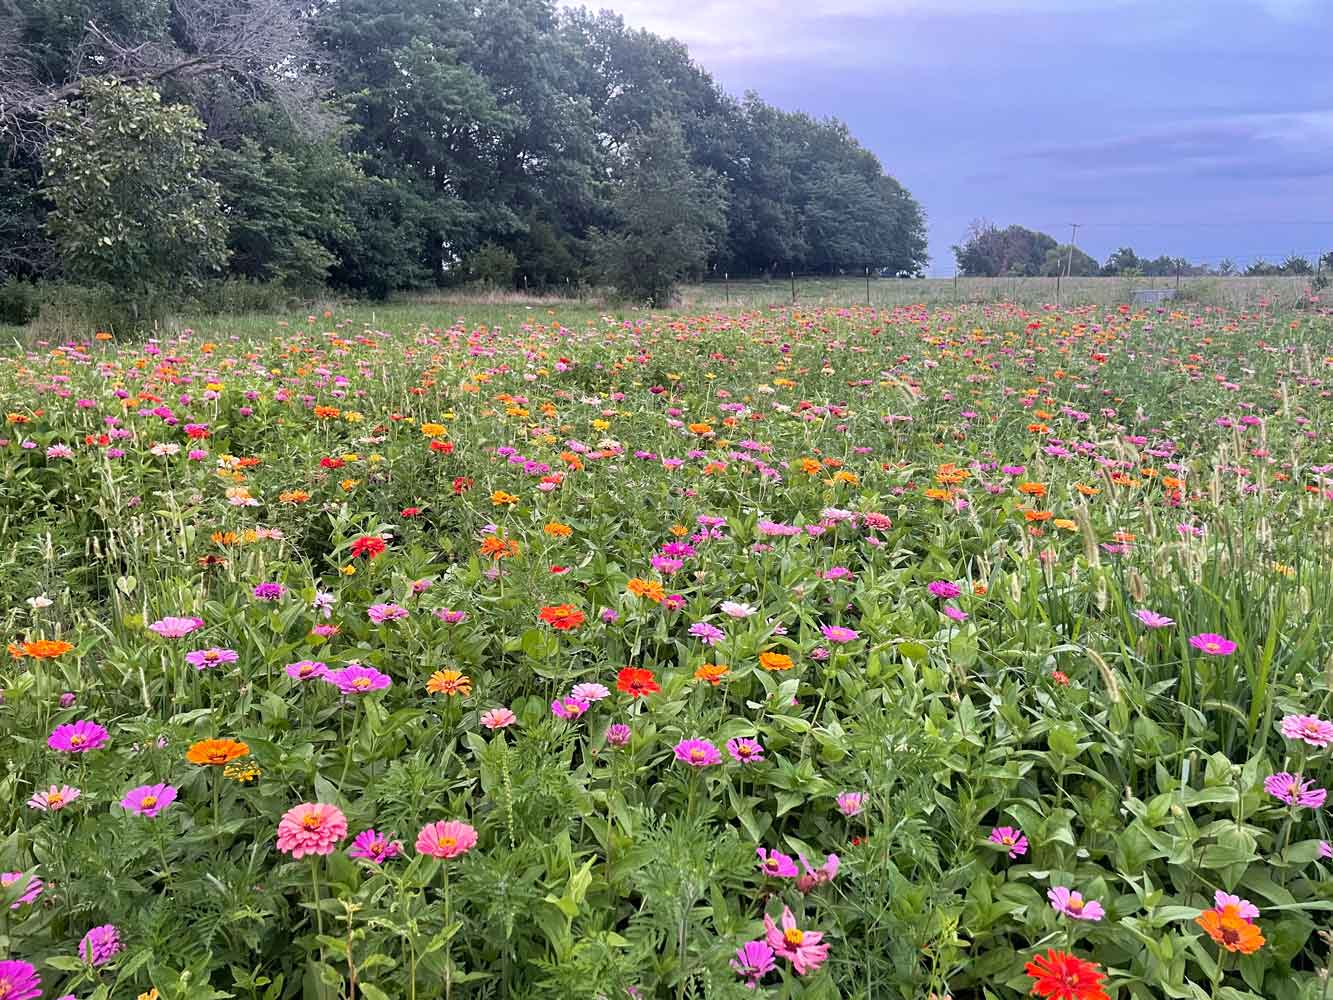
992 252
131 210
1295 265
1226 267
1078 263
1123 262
669 217
1260 268
1326 261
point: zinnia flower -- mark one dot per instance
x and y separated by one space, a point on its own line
1058 975
374 847
851 803
148 800
1213 644
744 750
772 660
562 617
498 718
368 546
54 798
1073 905
19 981
836 633
1013 839
618 734
636 682
1243 907
176 628
269 591
1152 619
305 670
31 890
1308 728
590 692
697 753
1230 930
753 961
707 633
311 828
202 659
78 737
100 945
815 877
1291 789
733 609
804 949
216 753
446 839
776 865
355 679
381 613
944 589
568 708
449 683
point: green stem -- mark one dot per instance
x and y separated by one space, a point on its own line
314 885
449 944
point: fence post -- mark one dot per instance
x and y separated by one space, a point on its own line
867 286
726 280
793 287
1177 275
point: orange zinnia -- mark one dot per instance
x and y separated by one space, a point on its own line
712 673
648 589
562 617
46 649
557 530
449 682
1232 931
775 661
215 753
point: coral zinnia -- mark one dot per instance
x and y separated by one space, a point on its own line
1232 931
446 839
1058 975
215 753
368 546
311 828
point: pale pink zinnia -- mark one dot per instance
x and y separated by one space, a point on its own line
311 828
1308 728
446 839
176 628
498 718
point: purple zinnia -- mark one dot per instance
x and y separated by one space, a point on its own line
356 679
202 659
100 945
373 847
269 591
380 613
1294 791
77 737
148 800
31 890
618 734
1073 905
697 753
944 589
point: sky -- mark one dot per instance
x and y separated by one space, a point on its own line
1194 128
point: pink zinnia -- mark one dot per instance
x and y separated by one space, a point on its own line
776 864
374 847
1213 644
31 890
354 679
77 737
446 839
54 798
305 670
804 949
815 877
837 633
568 708
202 659
176 628
697 753
380 613
311 828
1244 908
590 692
851 803
944 589
1291 789
1007 836
1309 728
148 800
1073 905
100 945
498 718
744 750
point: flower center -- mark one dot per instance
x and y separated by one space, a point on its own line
793 936
1007 840
697 754
1230 935
74 741
1075 903
211 656
55 799
361 683
311 822
148 801
450 842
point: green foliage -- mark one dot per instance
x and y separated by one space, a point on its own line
492 266
993 252
19 302
131 210
668 217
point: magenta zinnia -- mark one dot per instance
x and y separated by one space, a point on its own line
77 737
1295 791
697 753
373 847
311 828
148 800
176 628
355 679
19 981
1213 644
100 945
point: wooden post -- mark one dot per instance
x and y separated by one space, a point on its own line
793 286
726 280
867 286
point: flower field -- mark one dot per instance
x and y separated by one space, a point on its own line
829 653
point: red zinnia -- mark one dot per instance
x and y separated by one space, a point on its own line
1058 975
444 446
369 546
332 463
462 484
410 511
562 617
636 682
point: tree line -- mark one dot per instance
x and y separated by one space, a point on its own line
151 146
1015 251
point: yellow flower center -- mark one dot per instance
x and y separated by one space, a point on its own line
449 842
311 821
55 799
697 754
148 801
361 682
793 936
74 741
1075 903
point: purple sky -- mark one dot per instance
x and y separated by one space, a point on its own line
1195 128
